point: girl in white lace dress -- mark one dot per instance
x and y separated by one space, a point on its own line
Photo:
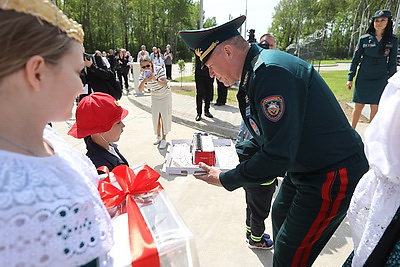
50 210
374 210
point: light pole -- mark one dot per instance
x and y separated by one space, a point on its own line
397 20
201 14
245 22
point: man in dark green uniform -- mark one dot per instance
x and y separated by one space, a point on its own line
298 128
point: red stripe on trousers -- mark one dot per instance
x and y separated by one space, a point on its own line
322 221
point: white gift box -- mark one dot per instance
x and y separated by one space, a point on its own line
179 157
174 241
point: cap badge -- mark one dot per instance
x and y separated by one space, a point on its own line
381 13
202 54
116 103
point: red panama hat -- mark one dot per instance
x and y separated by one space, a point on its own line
96 113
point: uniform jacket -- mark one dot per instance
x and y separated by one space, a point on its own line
372 62
296 122
101 157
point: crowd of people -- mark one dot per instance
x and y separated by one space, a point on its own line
49 190
119 62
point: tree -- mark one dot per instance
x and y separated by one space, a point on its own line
343 22
181 64
210 22
131 23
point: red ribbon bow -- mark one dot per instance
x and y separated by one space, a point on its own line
143 249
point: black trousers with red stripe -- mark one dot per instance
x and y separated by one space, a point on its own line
310 207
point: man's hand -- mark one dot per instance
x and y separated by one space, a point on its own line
212 175
349 84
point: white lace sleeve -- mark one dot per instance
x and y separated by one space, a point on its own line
382 136
377 195
50 211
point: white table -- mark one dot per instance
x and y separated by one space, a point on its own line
136 72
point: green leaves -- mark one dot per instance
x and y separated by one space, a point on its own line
130 23
342 20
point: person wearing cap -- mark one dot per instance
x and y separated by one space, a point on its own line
374 213
376 57
99 121
299 131
51 213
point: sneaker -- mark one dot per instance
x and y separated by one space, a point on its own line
248 234
263 244
157 141
163 144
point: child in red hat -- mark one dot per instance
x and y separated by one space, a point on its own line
99 121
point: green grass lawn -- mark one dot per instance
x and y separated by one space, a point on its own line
191 91
335 79
331 61
337 82
184 79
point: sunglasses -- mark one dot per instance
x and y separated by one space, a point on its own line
264 44
146 66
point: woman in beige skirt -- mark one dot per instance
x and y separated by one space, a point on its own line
161 100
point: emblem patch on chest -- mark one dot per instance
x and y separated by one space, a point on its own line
273 107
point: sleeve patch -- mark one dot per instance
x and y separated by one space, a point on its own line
273 107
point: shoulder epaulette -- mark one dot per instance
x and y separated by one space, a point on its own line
365 35
258 61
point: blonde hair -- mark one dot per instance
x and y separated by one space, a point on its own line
23 36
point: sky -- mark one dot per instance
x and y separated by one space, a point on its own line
259 13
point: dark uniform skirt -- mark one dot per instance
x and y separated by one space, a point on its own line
371 81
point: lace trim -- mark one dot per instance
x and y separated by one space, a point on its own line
50 210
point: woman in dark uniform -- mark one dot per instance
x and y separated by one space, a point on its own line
376 53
